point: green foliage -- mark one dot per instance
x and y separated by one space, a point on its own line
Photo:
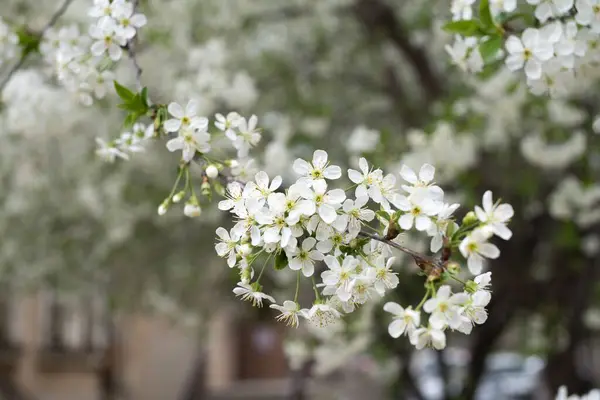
485 14
465 28
29 41
136 103
489 49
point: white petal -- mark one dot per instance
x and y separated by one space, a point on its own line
175 144
406 221
176 110
332 172
426 173
320 159
514 45
327 213
355 176
393 308
397 328
408 174
489 250
172 125
301 167
422 223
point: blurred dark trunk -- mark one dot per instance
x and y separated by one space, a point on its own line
300 381
196 386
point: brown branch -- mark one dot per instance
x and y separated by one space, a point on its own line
431 266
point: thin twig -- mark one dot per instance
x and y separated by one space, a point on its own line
51 22
131 53
431 266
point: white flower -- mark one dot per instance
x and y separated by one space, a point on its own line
357 214
364 180
249 293
128 22
406 320
190 141
495 216
531 50
445 308
321 314
248 135
483 282
428 337
498 6
418 208
547 9
304 257
289 312
439 227
109 152
461 9
588 13
382 275
234 197
474 247
326 202
106 40
106 8
340 275
318 170
228 124
227 246
465 53
184 119
424 180
262 186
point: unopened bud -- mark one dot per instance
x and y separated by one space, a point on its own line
453 267
232 163
205 189
162 209
470 218
212 171
178 196
192 210
471 287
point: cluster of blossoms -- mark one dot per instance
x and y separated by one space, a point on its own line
82 63
9 44
128 143
563 43
562 394
309 222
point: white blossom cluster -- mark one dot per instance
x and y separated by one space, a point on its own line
82 62
9 44
129 142
574 201
551 55
310 222
563 394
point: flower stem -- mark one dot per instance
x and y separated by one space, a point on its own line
423 299
297 287
315 288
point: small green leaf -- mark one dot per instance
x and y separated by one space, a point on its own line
489 49
125 94
281 261
485 14
144 95
29 41
464 28
130 120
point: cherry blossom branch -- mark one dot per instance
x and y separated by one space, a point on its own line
51 22
431 266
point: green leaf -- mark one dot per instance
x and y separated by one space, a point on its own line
281 261
144 95
489 49
130 120
125 94
29 41
485 14
464 28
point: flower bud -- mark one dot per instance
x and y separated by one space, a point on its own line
162 209
178 196
192 210
470 218
232 163
212 172
471 287
453 267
